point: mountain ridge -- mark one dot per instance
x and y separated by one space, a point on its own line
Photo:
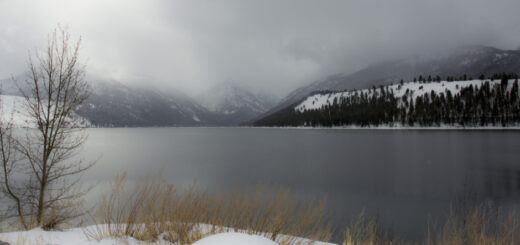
430 103
472 60
114 104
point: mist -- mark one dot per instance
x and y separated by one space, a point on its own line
270 45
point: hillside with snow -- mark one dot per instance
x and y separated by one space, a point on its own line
410 89
436 103
12 111
470 60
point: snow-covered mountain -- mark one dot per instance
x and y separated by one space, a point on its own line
233 104
470 60
436 103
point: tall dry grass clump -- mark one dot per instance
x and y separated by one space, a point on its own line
470 225
365 231
154 209
477 225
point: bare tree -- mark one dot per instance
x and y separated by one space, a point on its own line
54 89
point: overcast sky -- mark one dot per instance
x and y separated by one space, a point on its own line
275 45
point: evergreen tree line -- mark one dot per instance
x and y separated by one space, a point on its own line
496 104
464 77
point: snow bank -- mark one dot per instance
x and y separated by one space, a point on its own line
39 236
77 236
232 238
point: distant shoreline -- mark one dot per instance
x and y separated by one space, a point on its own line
403 128
441 128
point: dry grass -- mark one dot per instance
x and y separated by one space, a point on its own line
477 225
362 231
155 209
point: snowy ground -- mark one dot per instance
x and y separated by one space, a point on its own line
231 238
78 236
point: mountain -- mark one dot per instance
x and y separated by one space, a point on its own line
234 104
470 60
483 102
113 104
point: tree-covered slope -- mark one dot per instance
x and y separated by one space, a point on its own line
470 60
424 102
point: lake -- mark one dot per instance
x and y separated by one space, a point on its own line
403 177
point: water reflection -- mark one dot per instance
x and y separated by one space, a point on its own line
502 182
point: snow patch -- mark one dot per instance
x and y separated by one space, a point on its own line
77 236
232 238
73 236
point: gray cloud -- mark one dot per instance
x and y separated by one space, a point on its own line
274 45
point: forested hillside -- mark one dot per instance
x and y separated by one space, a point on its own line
426 102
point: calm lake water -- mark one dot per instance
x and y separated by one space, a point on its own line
401 176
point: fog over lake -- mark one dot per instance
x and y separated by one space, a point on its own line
404 177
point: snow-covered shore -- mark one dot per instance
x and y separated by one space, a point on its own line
79 236
232 238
